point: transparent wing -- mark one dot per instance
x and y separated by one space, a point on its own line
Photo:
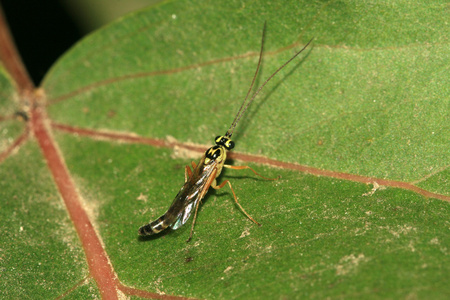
190 194
184 215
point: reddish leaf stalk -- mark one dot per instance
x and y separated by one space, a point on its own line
97 259
11 59
99 265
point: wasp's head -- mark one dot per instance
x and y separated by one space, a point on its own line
224 141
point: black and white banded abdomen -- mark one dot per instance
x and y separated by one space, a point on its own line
154 227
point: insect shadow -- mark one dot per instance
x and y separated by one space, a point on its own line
266 96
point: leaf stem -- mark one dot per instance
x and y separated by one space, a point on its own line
11 59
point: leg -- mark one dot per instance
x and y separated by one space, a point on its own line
247 167
216 187
200 197
187 173
193 221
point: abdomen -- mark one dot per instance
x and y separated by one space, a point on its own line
154 227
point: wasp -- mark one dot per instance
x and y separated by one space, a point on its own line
204 174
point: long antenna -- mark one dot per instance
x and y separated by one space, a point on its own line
245 105
253 82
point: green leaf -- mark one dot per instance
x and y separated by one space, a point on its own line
40 254
367 103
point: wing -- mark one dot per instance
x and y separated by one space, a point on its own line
191 193
184 215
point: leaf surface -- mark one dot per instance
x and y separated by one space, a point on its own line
130 105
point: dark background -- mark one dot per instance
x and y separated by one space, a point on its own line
42 31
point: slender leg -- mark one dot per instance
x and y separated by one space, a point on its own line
211 180
247 167
193 221
216 187
194 165
187 173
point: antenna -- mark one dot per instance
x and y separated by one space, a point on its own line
246 104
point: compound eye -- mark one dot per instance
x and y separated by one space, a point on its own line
229 144
224 141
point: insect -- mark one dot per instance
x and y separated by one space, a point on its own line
204 174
